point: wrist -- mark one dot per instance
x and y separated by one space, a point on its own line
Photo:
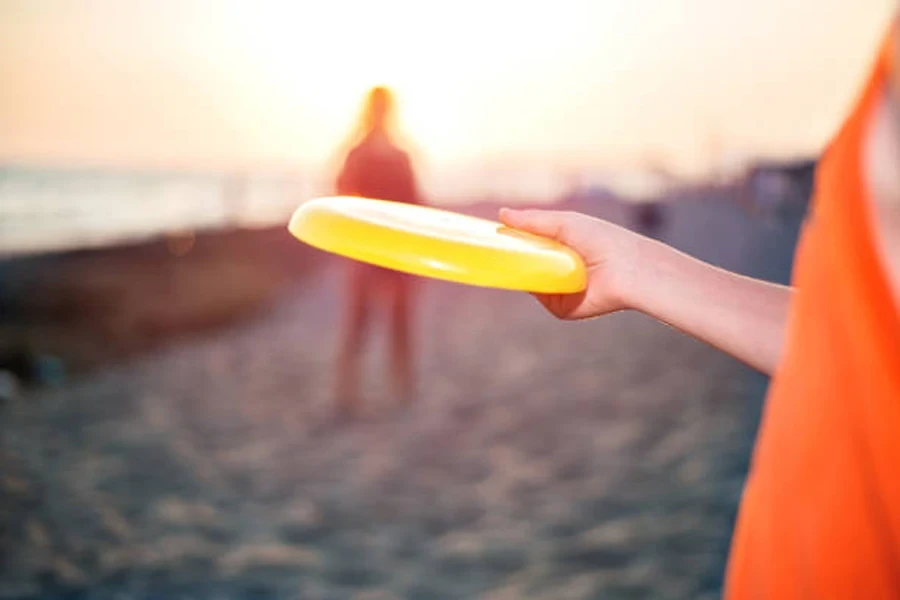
652 265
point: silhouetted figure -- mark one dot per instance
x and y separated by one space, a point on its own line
376 167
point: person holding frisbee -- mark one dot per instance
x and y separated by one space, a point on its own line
820 513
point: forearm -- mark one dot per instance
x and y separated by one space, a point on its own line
743 317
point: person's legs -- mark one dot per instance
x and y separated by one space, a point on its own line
356 322
401 338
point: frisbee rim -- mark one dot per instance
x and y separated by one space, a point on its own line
496 257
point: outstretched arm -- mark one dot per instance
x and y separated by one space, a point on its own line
741 316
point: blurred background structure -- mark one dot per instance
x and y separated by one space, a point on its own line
166 349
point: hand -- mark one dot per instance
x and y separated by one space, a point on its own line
744 317
610 253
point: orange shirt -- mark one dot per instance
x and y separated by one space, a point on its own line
820 516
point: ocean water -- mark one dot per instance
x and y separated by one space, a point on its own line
44 209
60 209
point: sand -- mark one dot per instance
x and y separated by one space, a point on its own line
542 460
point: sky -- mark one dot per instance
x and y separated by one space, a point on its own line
571 84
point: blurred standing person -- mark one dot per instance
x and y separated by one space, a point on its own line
376 167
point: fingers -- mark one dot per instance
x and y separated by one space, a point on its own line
564 306
570 229
546 223
545 300
551 303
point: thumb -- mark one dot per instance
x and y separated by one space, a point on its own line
545 223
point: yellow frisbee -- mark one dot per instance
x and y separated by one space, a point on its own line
436 243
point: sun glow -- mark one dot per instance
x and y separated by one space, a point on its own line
481 84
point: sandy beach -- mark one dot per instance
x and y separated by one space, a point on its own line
542 460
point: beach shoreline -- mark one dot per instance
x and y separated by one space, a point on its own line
95 306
